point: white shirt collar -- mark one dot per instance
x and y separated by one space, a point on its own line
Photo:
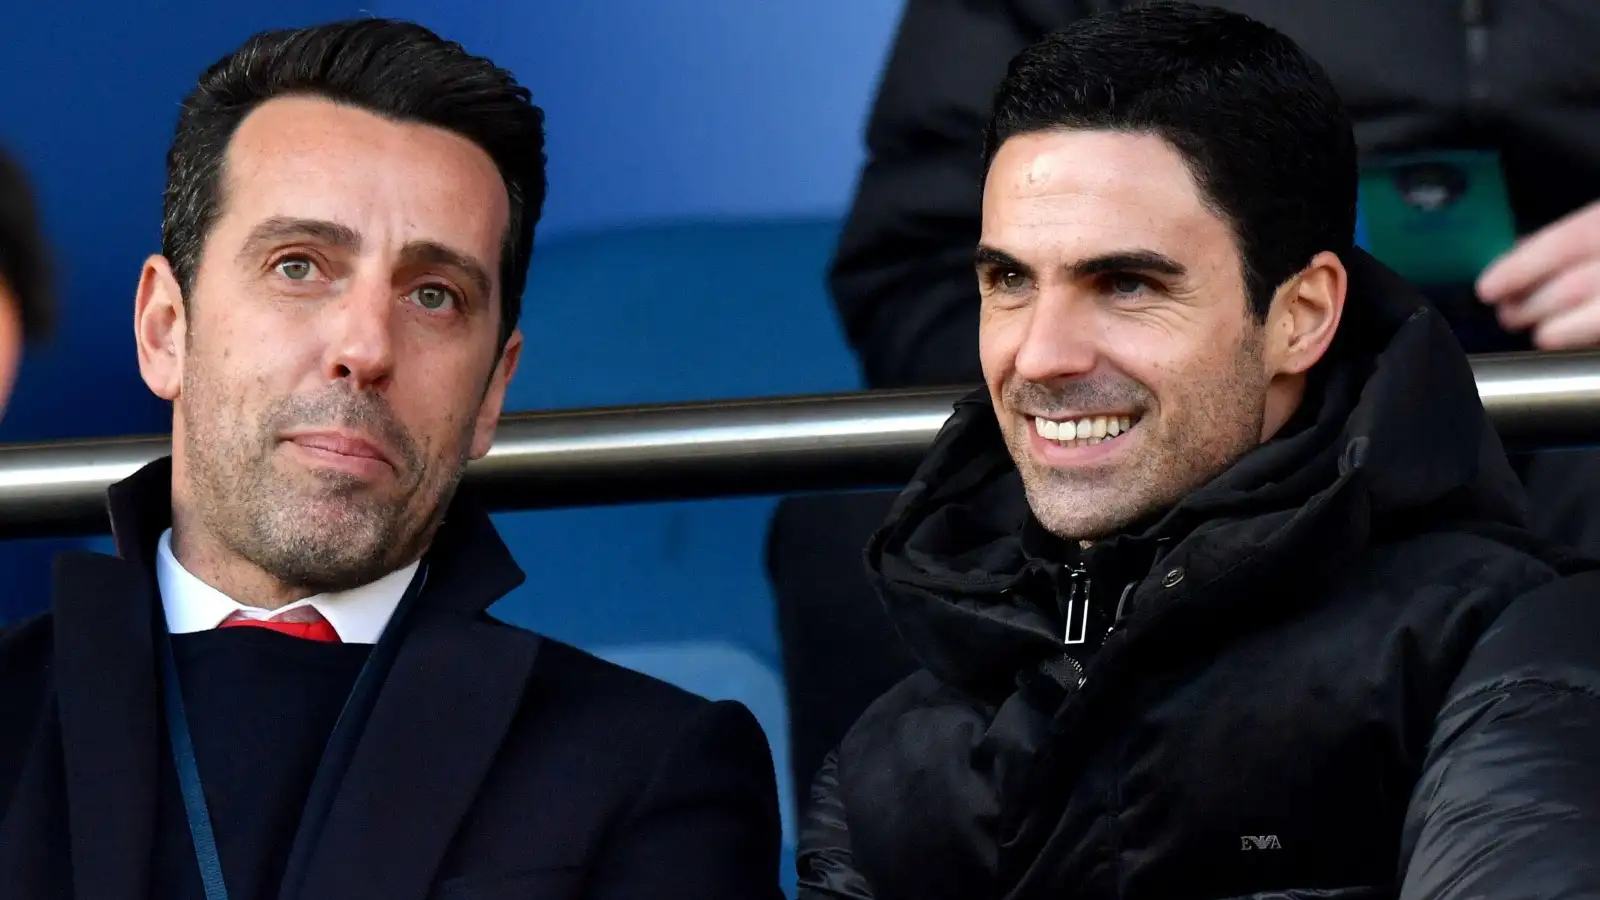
359 615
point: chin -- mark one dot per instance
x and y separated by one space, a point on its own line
1080 530
1059 511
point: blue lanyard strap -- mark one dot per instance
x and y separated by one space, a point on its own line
363 694
194 797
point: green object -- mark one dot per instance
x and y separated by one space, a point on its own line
1437 218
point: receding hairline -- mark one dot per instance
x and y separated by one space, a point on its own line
225 168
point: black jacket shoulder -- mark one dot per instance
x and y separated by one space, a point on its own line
637 774
1516 742
24 644
24 692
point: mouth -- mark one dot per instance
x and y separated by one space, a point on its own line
342 449
1085 431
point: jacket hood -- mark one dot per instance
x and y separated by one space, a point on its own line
1391 418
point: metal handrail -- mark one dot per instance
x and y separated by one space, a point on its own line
682 451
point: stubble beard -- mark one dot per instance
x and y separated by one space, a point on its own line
313 531
1222 422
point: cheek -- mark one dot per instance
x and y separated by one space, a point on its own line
241 373
226 390
1218 387
1182 367
1152 354
439 401
251 340
1000 334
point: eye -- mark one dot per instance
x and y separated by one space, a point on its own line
434 297
1005 281
1123 285
296 268
1012 280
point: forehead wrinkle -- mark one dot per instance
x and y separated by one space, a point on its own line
1122 167
1061 201
385 186
1070 202
1064 235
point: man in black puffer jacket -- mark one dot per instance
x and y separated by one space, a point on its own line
1222 587
1516 77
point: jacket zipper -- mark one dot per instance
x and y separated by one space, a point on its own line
1078 578
1077 594
1077 669
1474 16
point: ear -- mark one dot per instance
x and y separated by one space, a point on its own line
160 328
10 341
494 398
1305 316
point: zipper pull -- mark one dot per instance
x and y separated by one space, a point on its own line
1077 612
1121 614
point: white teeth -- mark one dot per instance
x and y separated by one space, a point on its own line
1089 431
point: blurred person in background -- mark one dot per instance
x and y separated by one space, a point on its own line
1221 585
286 683
1491 104
26 304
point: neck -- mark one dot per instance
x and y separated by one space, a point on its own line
1284 398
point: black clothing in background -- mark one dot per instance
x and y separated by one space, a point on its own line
1410 72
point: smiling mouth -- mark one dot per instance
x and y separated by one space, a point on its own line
1085 431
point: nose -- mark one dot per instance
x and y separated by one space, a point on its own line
360 334
1060 340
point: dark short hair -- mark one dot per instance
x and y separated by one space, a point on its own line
24 257
399 70
1258 122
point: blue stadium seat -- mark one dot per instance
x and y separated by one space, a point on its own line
687 311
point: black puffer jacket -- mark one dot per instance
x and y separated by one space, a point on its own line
1340 670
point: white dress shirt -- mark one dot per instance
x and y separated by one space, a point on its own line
359 615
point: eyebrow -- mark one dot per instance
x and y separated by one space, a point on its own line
1137 261
287 228
1146 262
428 254
278 229
989 257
